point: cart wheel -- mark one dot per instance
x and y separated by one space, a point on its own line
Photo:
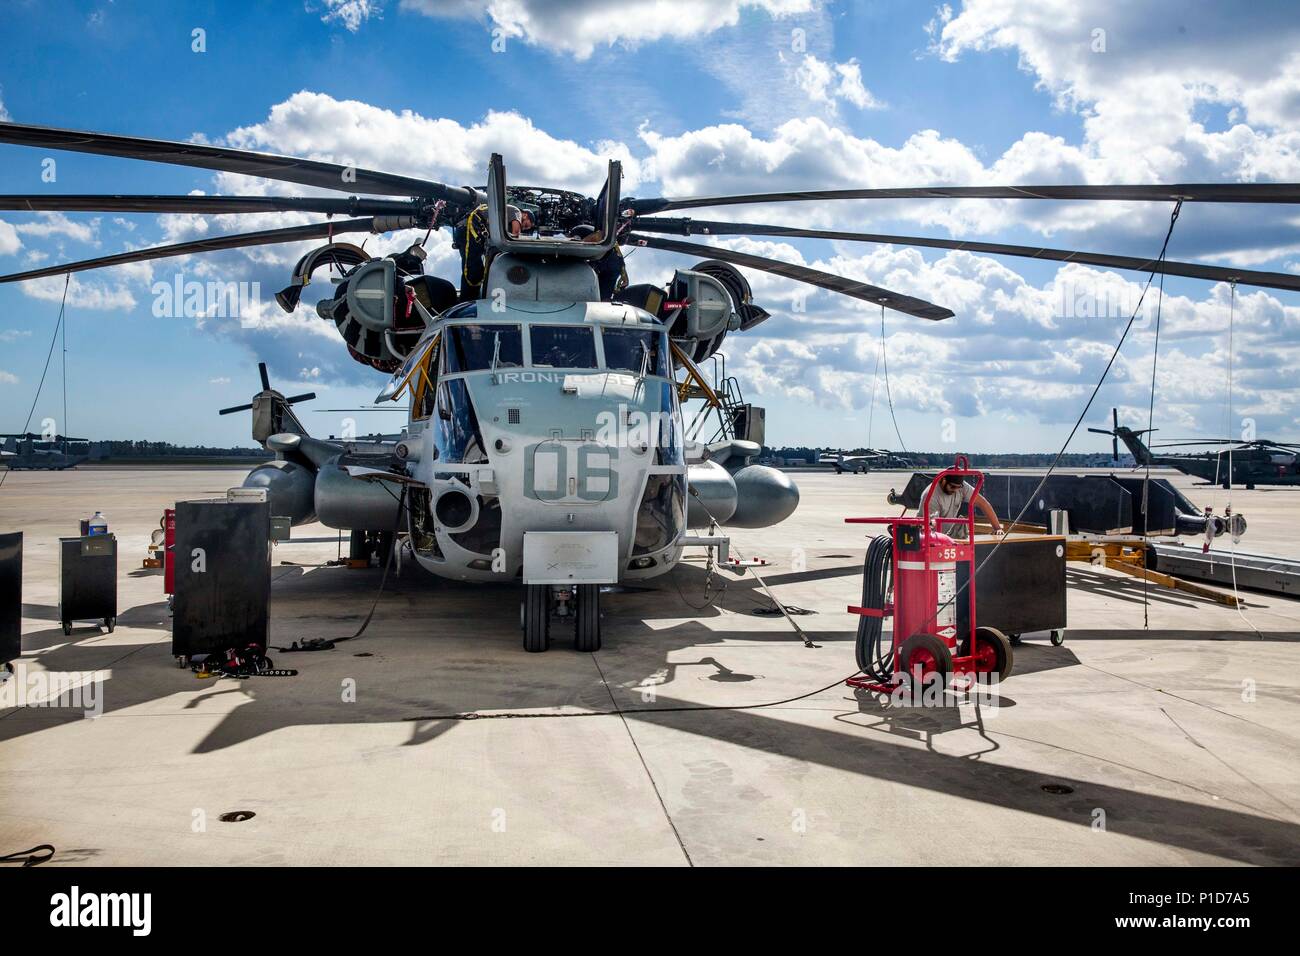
587 620
1058 637
67 628
537 617
110 623
992 652
926 652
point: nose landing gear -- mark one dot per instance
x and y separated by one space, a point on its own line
537 617
543 602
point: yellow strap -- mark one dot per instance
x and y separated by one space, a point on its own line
694 373
421 367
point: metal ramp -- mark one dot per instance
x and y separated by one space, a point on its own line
1255 572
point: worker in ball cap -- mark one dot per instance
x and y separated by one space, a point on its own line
951 493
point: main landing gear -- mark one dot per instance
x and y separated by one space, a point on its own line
544 603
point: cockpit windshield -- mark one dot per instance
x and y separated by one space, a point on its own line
643 351
563 346
469 348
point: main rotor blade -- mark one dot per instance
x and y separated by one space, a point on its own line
825 280
1187 192
208 205
214 244
289 169
1194 270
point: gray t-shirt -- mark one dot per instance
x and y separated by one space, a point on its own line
944 505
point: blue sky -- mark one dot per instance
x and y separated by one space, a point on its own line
695 97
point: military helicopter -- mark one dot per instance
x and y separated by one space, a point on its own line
546 442
1248 463
30 452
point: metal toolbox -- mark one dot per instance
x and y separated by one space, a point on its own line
1021 588
11 596
88 580
222 576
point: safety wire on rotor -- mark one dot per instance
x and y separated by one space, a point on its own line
58 326
888 394
1146 477
1227 507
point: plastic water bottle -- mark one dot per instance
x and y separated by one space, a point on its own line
98 524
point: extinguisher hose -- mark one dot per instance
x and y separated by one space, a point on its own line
877 575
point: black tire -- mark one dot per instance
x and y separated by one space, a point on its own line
925 645
358 547
110 623
1001 645
1058 638
537 618
1015 639
586 628
67 629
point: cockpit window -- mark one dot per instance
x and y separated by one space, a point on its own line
468 348
563 346
635 350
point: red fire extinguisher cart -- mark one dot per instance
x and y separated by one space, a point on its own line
924 606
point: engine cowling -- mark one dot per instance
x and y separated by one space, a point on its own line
719 301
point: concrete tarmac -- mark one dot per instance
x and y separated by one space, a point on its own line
1167 745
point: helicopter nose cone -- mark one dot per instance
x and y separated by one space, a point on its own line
764 497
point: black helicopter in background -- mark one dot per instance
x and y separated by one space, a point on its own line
1249 463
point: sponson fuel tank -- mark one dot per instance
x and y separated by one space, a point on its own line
726 488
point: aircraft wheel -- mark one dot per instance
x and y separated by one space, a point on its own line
67 629
537 617
110 623
992 652
587 620
1058 637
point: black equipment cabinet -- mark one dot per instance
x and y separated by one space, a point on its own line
223 576
88 580
11 596
1020 589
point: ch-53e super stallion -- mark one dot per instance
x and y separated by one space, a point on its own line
546 441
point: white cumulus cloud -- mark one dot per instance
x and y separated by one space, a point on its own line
578 27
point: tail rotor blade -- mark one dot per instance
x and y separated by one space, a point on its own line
234 408
261 370
304 397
